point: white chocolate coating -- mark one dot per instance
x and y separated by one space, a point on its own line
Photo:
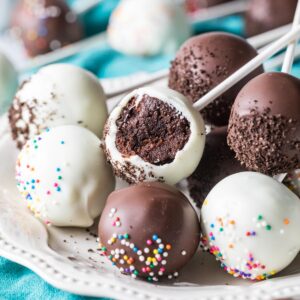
186 159
148 27
8 82
56 95
251 224
64 176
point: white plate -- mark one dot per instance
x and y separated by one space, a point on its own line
68 258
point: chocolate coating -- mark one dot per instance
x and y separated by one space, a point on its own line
265 15
264 127
158 219
205 61
153 130
45 25
218 161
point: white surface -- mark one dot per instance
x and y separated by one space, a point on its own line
143 27
60 94
186 159
250 202
68 265
64 177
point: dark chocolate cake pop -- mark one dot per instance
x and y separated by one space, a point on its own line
218 161
45 25
264 127
149 230
205 61
265 15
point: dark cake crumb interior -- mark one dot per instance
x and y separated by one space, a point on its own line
151 129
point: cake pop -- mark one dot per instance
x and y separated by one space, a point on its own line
251 224
149 230
264 127
154 134
264 15
58 94
45 25
64 177
143 27
205 61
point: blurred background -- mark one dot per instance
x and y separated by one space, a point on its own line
33 28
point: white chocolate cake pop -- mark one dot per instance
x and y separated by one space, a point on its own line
148 27
56 95
8 82
251 224
154 134
64 176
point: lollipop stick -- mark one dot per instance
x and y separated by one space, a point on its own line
247 68
290 53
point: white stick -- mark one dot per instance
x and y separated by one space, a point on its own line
267 37
82 7
218 11
289 56
247 68
64 52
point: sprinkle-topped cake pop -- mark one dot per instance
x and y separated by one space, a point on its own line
205 61
45 25
8 82
143 27
264 127
154 134
64 177
58 94
264 15
251 224
218 161
149 230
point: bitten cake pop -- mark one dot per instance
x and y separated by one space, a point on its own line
56 95
143 27
154 134
264 127
149 230
64 177
45 25
264 15
8 82
218 161
251 224
205 61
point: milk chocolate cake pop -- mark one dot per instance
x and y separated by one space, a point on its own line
45 25
64 177
218 161
148 27
154 134
264 15
251 222
264 127
58 94
149 230
205 61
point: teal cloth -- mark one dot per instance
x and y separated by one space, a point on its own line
17 282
